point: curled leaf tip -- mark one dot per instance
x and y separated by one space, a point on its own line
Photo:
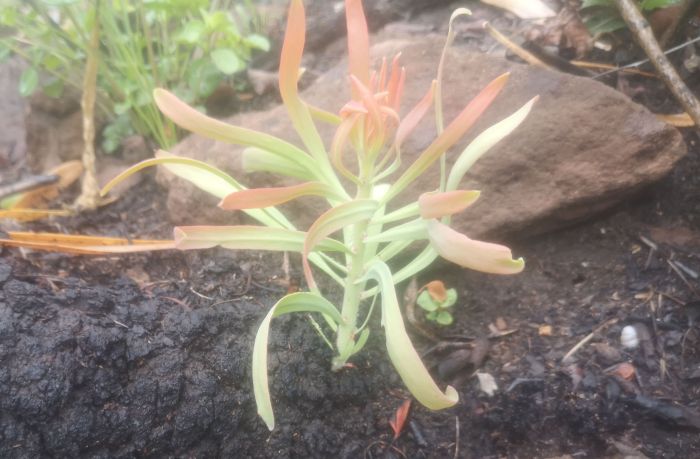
469 253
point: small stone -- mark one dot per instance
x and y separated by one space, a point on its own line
629 338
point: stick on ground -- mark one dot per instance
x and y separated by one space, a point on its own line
642 32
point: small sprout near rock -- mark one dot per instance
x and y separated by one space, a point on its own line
436 301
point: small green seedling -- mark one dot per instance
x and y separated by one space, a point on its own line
436 301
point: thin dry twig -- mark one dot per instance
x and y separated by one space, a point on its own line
519 51
683 278
641 30
585 340
456 437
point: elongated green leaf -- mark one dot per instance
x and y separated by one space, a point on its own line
409 231
290 65
417 264
206 177
400 349
245 237
296 302
450 136
188 118
358 41
437 205
483 143
441 66
407 211
331 221
478 255
266 197
257 160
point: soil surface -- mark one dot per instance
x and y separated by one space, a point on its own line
150 355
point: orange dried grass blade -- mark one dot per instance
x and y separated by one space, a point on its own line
398 422
67 172
83 245
28 215
677 120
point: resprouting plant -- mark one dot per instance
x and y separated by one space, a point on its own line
361 231
436 301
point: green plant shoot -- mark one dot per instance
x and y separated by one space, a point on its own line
357 236
436 301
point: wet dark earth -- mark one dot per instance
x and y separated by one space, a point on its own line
150 355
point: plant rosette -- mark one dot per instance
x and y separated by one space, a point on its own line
363 230
435 300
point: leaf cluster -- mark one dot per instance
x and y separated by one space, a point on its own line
602 16
189 46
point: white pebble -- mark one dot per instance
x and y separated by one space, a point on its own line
629 338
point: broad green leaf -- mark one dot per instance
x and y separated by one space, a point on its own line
331 221
451 298
409 231
469 253
257 41
266 197
192 32
450 136
483 143
426 302
227 61
444 318
296 302
438 205
245 237
400 349
28 81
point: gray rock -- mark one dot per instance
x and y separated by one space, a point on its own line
583 149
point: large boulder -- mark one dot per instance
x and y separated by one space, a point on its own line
584 147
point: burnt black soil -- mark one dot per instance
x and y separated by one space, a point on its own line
149 355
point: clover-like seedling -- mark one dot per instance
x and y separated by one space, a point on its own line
362 230
436 301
